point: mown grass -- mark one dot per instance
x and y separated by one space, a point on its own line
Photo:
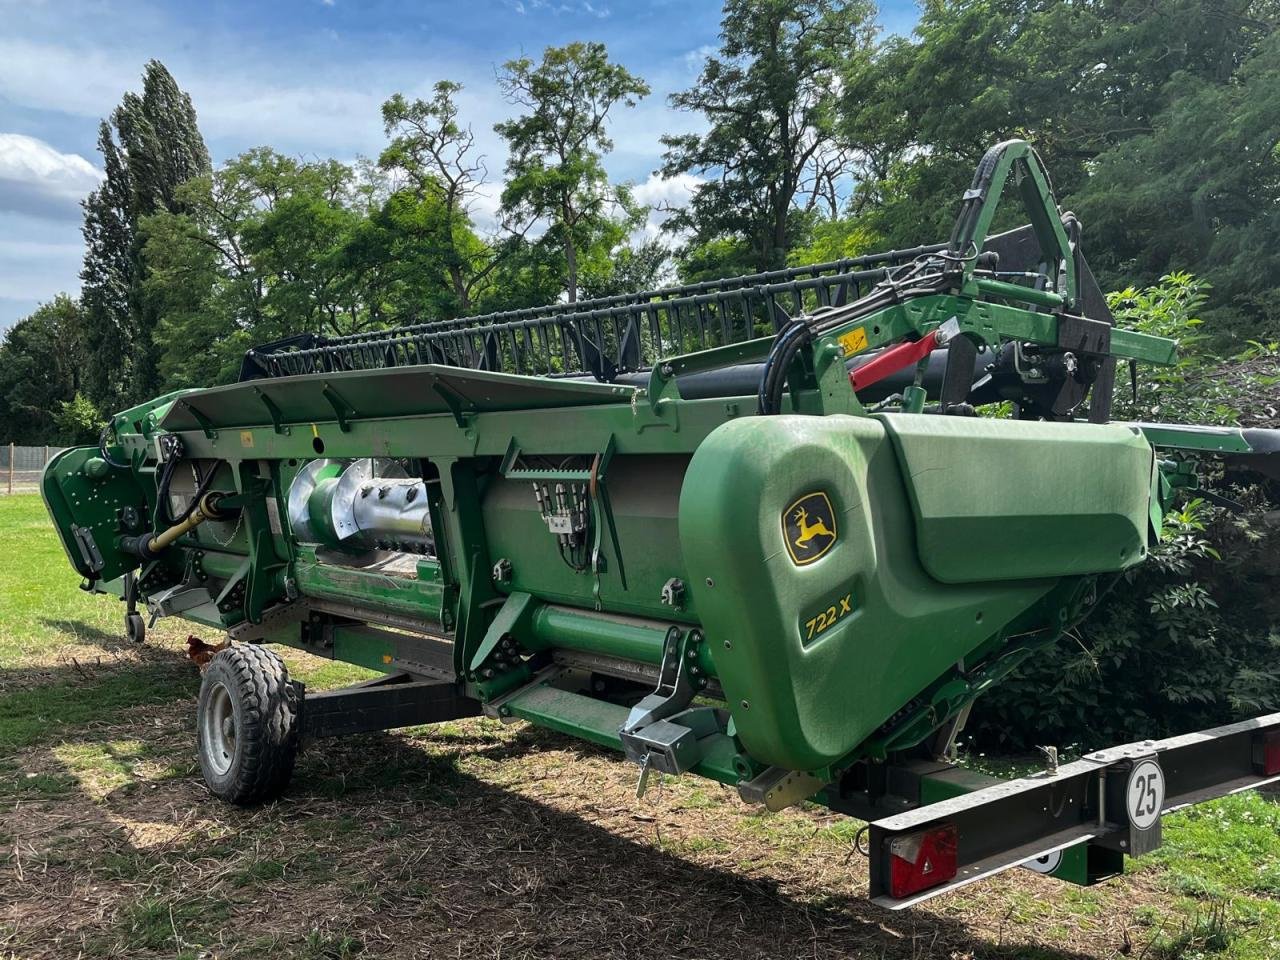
480 839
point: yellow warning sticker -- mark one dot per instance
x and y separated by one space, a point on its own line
854 341
246 438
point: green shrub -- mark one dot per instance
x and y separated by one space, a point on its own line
1190 638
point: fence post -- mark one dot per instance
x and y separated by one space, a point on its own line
46 457
11 466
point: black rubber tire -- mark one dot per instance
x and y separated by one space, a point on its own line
135 628
250 685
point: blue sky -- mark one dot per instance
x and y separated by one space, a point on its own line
304 76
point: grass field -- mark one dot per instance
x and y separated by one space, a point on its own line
474 839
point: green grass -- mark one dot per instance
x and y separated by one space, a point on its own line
40 599
154 924
42 609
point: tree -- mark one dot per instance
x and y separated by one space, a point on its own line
555 170
270 246
150 146
1200 189
42 362
769 96
1154 120
628 269
436 156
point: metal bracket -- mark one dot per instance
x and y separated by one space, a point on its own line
205 423
778 788
661 732
277 418
454 401
342 410
274 618
89 551
175 600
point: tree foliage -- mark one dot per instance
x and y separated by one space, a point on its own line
436 155
1157 122
269 246
42 365
1188 639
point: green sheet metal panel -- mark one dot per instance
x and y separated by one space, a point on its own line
815 655
394 392
76 499
644 494
1013 499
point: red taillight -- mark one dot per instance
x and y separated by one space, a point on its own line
920 861
1266 753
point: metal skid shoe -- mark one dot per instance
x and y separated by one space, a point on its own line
662 731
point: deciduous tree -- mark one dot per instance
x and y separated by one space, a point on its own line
769 157
42 364
555 170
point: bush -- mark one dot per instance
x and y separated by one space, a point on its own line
78 421
1190 638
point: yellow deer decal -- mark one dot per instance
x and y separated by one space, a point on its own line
809 530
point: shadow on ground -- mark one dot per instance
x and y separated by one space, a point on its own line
393 845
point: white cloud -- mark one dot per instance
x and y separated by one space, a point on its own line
694 59
314 97
39 258
660 191
43 76
661 194
36 179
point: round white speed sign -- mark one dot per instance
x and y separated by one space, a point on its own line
1145 794
1046 864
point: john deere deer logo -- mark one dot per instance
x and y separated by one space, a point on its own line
809 528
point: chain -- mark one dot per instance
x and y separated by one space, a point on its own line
234 531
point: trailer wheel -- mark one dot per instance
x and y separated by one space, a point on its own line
247 725
135 628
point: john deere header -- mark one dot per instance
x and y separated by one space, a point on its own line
767 530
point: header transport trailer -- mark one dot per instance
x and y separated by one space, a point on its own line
753 530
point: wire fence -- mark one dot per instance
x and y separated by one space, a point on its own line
21 466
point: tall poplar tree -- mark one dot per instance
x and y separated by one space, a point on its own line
150 146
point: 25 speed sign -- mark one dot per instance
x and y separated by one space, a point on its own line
1145 794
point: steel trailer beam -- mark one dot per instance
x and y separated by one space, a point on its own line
396 700
1095 799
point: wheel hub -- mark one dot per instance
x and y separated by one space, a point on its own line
218 730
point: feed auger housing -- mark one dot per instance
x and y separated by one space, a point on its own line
754 530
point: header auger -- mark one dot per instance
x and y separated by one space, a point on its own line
753 530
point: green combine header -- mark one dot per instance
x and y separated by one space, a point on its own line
762 530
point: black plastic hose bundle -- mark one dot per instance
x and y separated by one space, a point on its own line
786 345
102 449
173 454
171 447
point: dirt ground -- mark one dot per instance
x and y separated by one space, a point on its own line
472 839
